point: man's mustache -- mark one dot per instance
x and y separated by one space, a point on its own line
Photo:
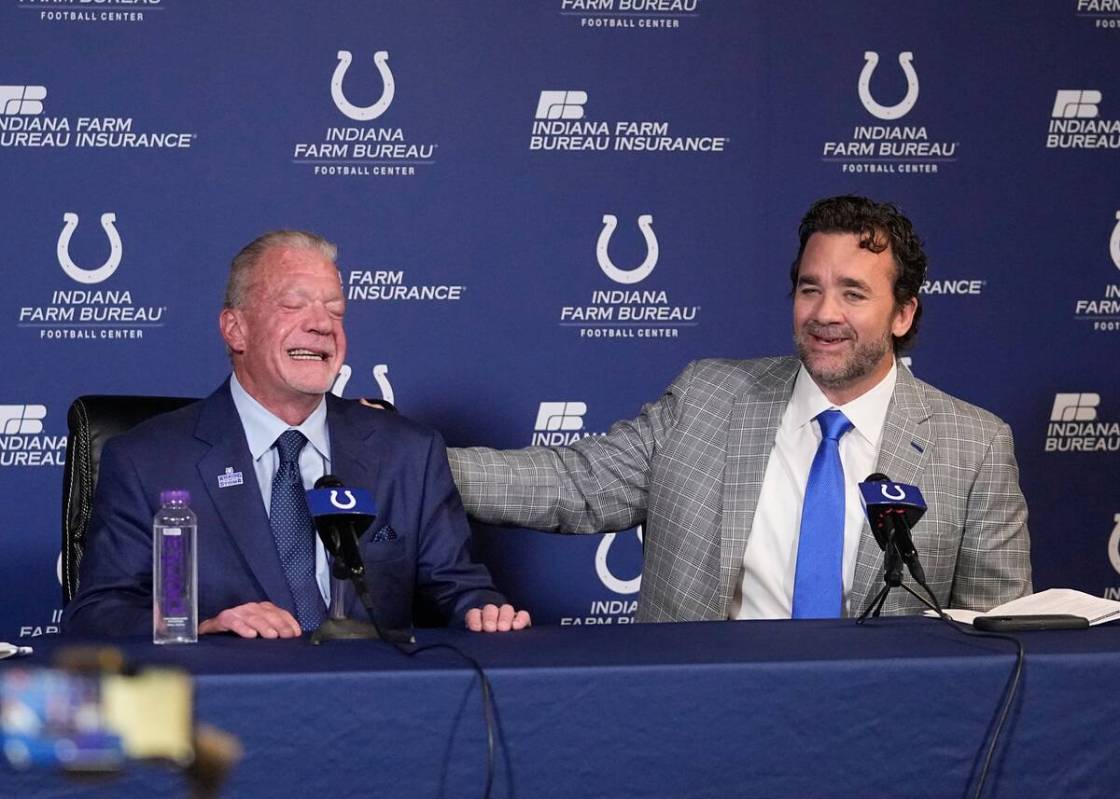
832 332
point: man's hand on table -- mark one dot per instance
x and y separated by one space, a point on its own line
253 620
494 619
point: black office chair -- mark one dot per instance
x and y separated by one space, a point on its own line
92 420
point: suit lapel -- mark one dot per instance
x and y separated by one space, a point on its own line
903 454
239 507
354 456
752 428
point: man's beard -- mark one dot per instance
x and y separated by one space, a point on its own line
860 362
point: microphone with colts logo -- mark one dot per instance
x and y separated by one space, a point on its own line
892 509
341 515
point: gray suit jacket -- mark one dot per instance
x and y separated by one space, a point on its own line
690 469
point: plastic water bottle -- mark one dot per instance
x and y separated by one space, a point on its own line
175 570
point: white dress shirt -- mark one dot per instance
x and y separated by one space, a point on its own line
262 428
765 588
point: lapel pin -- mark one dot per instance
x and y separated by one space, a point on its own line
917 446
230 478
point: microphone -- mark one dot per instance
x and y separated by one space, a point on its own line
892 510
341 515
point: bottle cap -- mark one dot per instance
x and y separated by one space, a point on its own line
175 495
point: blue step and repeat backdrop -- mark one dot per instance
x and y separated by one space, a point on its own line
545 209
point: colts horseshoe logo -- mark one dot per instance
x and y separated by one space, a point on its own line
89 275
638 274
899 110
381 60
1114 242
603 570
888 494
341 505
380 374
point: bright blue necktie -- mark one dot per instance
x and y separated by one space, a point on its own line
295 536
818 587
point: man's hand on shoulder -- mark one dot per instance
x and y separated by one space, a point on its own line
494 619
253 620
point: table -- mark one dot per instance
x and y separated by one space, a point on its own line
895 707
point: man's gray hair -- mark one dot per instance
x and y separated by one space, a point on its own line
241 269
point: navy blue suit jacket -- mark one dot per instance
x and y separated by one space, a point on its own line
425 552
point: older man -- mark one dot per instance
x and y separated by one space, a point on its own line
745 473
261 570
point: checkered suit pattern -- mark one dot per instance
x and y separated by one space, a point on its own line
691 465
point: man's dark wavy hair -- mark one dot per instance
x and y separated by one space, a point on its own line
878 226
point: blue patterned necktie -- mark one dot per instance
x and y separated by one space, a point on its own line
818 587
295 536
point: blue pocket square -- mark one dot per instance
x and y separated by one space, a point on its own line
386 533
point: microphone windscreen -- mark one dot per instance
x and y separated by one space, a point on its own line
328 481
340 502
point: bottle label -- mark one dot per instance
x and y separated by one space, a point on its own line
174 569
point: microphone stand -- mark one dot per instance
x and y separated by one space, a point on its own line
892 578
337 627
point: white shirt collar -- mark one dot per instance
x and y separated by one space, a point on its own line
262 427
867 412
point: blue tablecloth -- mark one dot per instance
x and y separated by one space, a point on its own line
896 707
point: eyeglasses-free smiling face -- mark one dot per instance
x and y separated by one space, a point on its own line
845 314
287 338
